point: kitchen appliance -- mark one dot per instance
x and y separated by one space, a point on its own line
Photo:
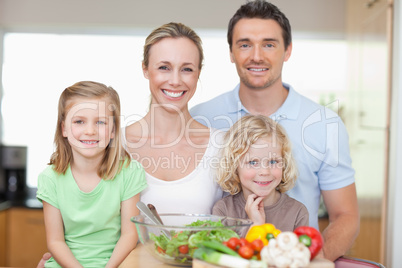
13 163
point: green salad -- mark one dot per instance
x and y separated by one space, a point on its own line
182 244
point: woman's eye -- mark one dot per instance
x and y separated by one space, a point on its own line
101 122
187 69
78 122
163 68
273 162
253 162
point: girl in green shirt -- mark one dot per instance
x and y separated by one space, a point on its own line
90 189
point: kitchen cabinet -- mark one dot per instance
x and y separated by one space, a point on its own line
367 243
3 238
26 238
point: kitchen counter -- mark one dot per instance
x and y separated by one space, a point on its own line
139 257
27 200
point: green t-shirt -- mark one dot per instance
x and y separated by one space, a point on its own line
91 220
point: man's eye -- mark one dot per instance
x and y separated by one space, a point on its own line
244 45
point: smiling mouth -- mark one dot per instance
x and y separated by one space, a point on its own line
90 142
258 69
263 183
173 94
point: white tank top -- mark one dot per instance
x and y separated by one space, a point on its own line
195 193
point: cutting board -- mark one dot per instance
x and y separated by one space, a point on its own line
316 263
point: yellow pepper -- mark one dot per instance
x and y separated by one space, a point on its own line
263 232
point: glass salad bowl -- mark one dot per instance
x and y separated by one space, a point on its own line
175 241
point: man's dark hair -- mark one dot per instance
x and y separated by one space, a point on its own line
260 9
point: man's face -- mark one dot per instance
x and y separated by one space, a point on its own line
258 51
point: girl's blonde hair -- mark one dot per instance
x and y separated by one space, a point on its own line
238 140
114 152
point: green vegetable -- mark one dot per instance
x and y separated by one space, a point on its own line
218 246
190 238
215 257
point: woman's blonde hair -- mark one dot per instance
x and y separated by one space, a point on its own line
238 140
111 163
172 30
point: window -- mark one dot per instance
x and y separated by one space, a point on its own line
37 68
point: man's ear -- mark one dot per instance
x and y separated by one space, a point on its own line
145 71
288 52
231 57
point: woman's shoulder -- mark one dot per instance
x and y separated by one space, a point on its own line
136 130
135 135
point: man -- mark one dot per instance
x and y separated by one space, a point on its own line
260 41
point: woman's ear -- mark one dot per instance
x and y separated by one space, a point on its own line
145 70
112 134
63 130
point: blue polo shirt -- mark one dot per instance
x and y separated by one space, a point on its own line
320 142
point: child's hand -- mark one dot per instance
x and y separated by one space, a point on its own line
255 209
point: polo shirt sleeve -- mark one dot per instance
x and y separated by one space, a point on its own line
134 180
335 175
47 190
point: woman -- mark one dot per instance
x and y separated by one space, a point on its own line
175 150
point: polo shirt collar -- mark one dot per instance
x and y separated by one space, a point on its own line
235 105
289 110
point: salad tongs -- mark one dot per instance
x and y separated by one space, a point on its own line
152 216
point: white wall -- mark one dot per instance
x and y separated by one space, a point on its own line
323 17
394 232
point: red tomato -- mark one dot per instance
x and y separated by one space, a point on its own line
246 251
160 250
244 242
233 243
183 249
257 245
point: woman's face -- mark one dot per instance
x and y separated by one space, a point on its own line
173 72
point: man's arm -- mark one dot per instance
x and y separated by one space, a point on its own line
344 221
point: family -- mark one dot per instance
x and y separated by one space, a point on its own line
261 151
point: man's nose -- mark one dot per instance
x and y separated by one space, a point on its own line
257 54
